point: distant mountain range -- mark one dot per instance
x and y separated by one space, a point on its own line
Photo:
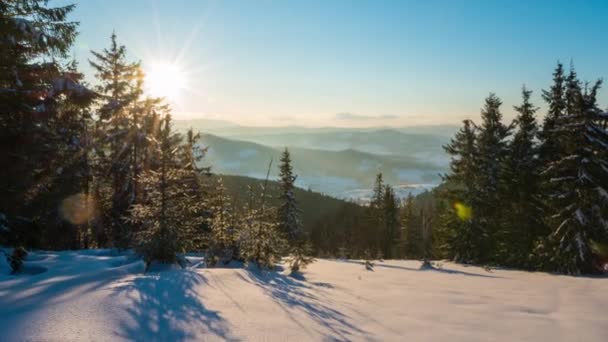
340 162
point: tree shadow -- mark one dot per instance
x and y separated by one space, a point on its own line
59 283
434 269
292 293
165 306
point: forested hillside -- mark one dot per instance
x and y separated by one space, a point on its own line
102 165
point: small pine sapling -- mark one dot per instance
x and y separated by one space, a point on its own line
369 264
300 257
16 258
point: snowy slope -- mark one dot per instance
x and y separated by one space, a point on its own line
102 296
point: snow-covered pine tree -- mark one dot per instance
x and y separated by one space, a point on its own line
522 212
119 134
260 239
487 201
578 178
165 214
16 258
197 187
224 234
36 90
463 239
412 239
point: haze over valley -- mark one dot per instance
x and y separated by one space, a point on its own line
340 162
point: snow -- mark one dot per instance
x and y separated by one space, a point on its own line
102 295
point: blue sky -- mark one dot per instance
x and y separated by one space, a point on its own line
382 62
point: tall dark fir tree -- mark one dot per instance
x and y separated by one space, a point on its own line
578 180
462 238
290 222
522 225
412 230
391 229
492 149
39 94
555 99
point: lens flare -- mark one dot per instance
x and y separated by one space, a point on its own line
77 209
463 211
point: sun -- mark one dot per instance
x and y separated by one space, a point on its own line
165 80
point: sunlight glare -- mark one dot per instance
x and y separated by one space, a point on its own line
165 80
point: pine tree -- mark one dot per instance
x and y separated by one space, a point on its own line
121 140
578 178
557 105
378 193
375 213
260 239
36 90
522 211
166 214
487 202
426 219
573 94
390 230
224 233
196 188
289 220
463 238
300 257
413 230
288 213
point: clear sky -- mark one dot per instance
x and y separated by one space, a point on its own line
351 63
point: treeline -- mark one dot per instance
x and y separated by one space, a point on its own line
387 228
522 194
528 195
101 166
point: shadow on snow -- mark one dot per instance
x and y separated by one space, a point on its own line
434 269
165 306
295 293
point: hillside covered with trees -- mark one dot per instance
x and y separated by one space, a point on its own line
101 165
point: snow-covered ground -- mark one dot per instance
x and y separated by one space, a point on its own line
100 295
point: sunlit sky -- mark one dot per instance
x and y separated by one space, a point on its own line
350 63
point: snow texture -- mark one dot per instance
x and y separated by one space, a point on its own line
102 295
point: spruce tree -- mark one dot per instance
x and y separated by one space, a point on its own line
488 197
375 213
288 212
260 239
165 215
38 87
121 140
289 220
578 179
224 233
522 224
390 230
463 238
197 188
555 99
412 239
